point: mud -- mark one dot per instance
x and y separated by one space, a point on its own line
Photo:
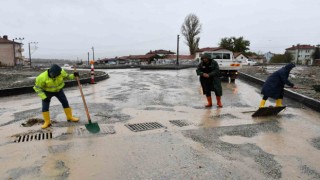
219 143
32 121
313 174
210 138
20 77
316 142
21 173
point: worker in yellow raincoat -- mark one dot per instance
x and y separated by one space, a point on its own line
50 83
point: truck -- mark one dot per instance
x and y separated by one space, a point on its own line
228 65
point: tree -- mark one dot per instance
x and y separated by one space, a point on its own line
282 58
316 53
235 44
190 28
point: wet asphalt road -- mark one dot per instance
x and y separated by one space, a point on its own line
215 143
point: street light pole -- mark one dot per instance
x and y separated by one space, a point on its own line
88 59
29 54
178 49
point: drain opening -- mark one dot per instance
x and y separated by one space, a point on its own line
103 130
33 137
180 123
144 126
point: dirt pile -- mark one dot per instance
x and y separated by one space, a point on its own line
20 77
302 76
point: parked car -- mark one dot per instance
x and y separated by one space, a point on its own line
66 66
249 62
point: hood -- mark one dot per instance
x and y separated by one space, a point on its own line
54 71
289 66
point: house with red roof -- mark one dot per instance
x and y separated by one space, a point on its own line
183 59
302 54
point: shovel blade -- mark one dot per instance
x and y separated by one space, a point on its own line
92 127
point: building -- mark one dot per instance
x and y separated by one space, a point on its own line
268 56
240 57
302 54
161 52
10 52
257 59
183 59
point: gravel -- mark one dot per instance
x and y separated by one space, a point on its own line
301 76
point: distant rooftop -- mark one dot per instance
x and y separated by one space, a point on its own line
302 46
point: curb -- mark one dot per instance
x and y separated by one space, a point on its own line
29 89
165 67
307 101
145 67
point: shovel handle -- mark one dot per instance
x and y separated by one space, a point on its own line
83 99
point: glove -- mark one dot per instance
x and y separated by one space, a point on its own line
46 100
76 74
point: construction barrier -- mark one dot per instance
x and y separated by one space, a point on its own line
92 72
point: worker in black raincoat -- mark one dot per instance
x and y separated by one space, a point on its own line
208 70
274 85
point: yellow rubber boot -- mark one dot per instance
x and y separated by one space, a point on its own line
278 102
68 112
262 103
46 117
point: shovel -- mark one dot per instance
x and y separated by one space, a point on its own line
91 127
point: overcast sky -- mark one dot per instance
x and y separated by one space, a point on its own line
69 29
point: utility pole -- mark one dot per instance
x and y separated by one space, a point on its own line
178 49
29 55
88 59
14 53
30 51
298 46
93 53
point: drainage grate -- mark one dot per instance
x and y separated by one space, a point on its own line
180 123
144 126
33 137
103 130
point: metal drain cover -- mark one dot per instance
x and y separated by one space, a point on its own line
103 130
144 126
33 137
180 123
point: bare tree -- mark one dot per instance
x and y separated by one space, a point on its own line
190 28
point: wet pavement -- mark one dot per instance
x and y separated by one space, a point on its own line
214 143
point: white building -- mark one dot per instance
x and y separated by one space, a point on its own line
302 54
240 57
268 56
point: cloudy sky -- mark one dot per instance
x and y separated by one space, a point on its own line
69 29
